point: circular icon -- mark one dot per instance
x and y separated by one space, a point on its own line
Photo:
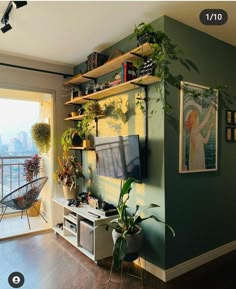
16 279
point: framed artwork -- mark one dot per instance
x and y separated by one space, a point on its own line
230 134
198 137
230 117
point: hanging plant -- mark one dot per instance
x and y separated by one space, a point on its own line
164 52
41 135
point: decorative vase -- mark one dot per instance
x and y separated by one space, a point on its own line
134 243
69 193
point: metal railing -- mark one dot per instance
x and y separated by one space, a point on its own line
11 174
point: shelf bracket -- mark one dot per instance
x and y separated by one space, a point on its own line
91 78
139 84
139 55
96 125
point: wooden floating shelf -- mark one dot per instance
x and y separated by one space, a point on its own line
141 51
126 86
77 117
81 148
80 117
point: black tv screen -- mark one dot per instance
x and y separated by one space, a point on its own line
118 157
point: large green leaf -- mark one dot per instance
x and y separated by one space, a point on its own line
127 187
119 252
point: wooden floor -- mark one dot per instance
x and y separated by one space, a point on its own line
47 261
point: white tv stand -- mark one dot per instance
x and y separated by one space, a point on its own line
99 241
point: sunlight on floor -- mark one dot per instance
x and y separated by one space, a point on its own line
15 226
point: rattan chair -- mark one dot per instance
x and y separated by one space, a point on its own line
24 198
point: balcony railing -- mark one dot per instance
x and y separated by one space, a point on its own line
11 174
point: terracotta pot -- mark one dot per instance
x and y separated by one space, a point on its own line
69 193
134 241
86 144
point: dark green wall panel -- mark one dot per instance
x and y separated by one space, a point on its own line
200 206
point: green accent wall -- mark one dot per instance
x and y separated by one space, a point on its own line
200 206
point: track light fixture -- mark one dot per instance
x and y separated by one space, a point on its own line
5 17
6 28
19 4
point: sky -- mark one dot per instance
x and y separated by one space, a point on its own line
16 116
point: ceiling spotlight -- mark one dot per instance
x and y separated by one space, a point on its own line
5 17
6 27
19 4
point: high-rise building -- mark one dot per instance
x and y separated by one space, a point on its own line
15 146
23 138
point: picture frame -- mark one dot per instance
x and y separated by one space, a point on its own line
234 118
229 134
229 117
198 134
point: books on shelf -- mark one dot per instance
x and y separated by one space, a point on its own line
95 60
72 216
128 71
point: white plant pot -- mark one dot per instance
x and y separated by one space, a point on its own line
69 193
134 241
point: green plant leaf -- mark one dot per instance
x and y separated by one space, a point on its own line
119 252
127 186
168 226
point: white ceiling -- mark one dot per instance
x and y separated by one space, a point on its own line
65 32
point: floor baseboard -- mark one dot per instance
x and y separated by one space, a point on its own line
171 273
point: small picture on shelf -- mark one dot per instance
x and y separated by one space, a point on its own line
75 92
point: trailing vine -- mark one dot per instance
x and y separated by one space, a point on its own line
164 53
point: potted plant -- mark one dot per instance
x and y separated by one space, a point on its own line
31 171
92 109
70 137
41 135
68 173
163 53
144 33
84 127
127 234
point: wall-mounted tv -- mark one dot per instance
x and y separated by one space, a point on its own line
118 157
